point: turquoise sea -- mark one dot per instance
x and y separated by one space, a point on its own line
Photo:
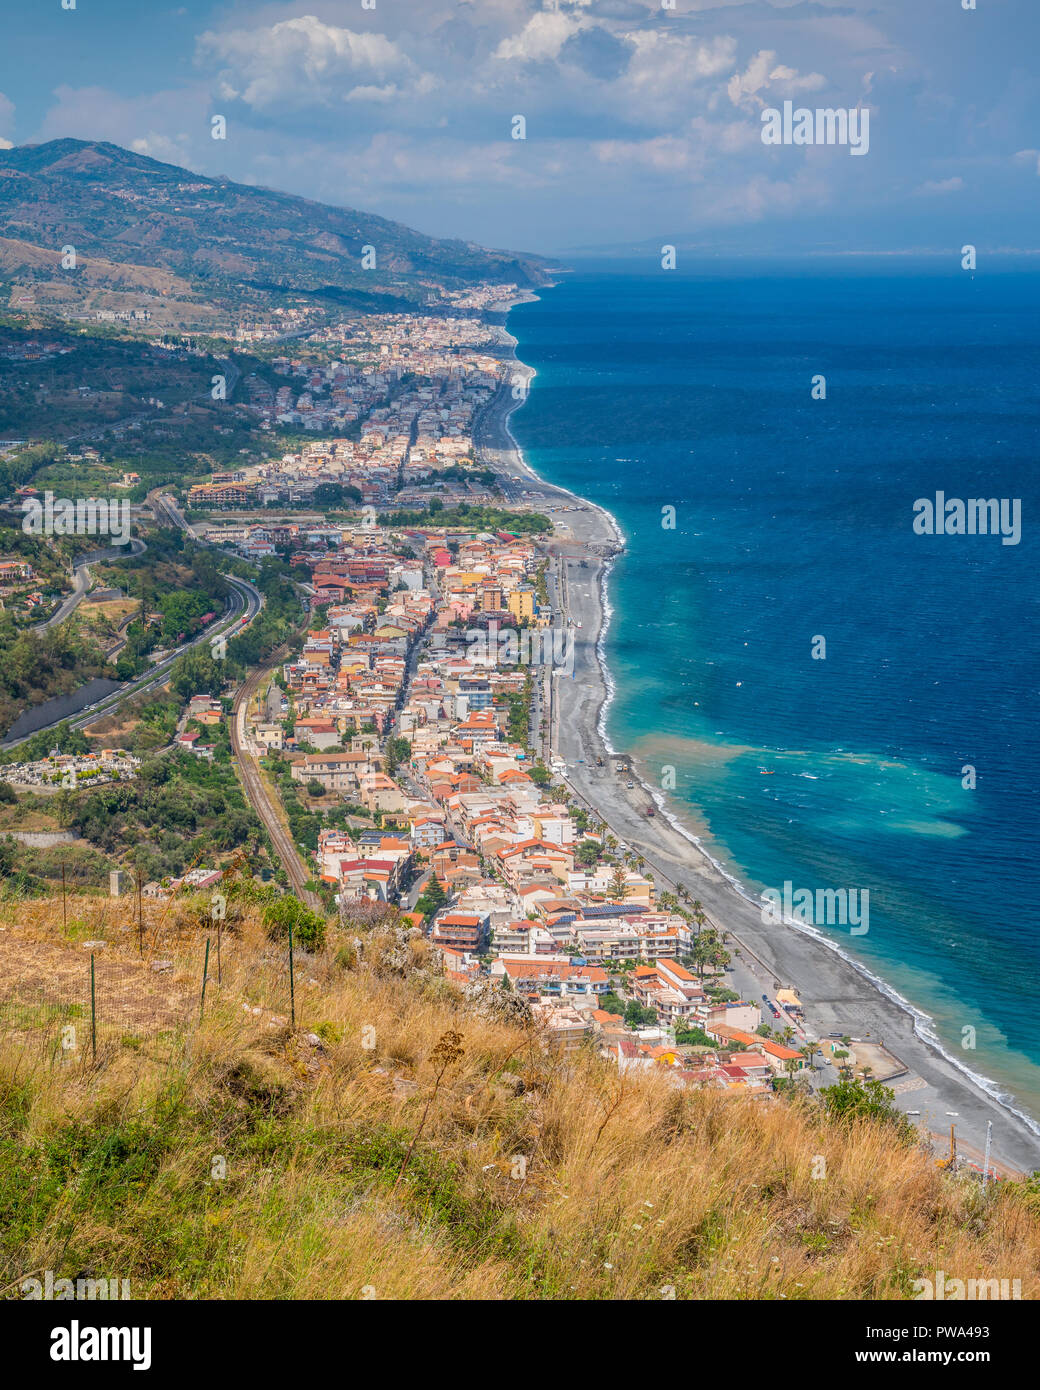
794 521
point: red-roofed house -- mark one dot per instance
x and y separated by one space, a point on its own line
462 931
550 978
776 1054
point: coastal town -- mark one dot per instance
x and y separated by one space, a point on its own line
395 712
421 717
396 399
517 768
484 814
438 721
399 711
416 719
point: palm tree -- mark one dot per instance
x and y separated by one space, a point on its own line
719 958
703 953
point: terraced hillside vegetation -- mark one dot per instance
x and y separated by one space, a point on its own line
153 236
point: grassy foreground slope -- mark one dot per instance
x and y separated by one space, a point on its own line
404 1142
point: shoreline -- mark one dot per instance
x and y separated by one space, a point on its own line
839 992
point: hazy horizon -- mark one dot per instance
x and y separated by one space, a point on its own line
643 124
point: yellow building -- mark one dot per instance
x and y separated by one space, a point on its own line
521 604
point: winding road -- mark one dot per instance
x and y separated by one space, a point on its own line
81 579
246 600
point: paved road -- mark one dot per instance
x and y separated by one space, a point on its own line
81 579
246 600
256 791
166 510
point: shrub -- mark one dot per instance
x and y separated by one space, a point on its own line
308 928
866 1099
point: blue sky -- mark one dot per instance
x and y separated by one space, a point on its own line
643 122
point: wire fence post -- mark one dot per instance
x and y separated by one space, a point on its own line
205 969
219 926
140 917
93 1009
292 986
64 913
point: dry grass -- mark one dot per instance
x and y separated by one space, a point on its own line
238 1158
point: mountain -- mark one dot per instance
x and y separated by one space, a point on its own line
145 232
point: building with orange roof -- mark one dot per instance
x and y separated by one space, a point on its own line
777 1054
606 1019
462 931
551 978
669 988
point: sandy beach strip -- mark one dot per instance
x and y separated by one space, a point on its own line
839 995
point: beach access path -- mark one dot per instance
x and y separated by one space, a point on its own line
837 998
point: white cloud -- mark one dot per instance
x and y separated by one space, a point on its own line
170 149
304 61
667 57
763 73
150 125
951 185
541 38
760 197
663 154
637 116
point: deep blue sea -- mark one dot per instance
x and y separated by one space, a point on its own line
793 521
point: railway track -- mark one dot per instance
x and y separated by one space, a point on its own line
256 792
248 768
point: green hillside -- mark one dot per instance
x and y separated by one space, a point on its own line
154 232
